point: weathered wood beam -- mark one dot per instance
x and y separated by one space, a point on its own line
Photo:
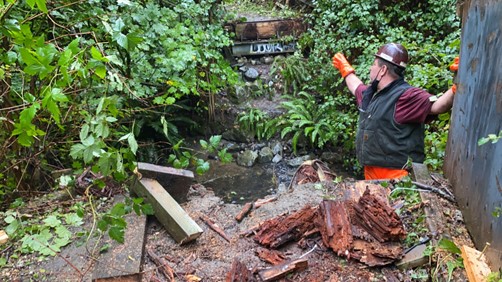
175 181
169 213
268 29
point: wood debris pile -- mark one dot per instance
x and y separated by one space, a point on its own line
361 226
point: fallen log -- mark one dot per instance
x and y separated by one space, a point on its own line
277 231
283 269
239 273
271 256
162 265
244 211
216 228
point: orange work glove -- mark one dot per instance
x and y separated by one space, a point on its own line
454 68
454 65
341 63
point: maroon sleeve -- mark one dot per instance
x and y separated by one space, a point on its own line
414 106
359 93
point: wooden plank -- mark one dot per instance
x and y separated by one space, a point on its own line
434 216
175 181
169 213
3 237
475 264
268 29
122 262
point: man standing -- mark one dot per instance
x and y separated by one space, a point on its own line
392 113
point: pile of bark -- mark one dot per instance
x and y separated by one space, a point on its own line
359 225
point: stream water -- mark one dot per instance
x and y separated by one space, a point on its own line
237 184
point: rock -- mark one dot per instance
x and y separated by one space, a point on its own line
251 74
277 158
276 148
266 155
331 157
236 135
247 158
298 161
267 60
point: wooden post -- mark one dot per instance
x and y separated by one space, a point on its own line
175 181
172 216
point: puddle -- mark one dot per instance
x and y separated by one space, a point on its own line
237 184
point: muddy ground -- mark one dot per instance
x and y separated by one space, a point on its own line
210 257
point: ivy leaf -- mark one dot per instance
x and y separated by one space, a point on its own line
122 40
102 225
95 54
202 167
117 234
448 245
77 151
52 221
147 209
73 219
100 71
41 5
84 131
132 143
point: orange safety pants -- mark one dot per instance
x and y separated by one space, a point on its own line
376 172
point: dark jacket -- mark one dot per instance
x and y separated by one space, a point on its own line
380 141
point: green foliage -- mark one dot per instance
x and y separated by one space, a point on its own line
494 277
113 221
436 136
318 123
44 236
183 158
79 87
493 138
294 71
258 124
453 260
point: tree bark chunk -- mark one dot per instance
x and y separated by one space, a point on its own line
378 218
283 269
215 227
277 231
244 211
271 256
239 273
335 227
162 265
